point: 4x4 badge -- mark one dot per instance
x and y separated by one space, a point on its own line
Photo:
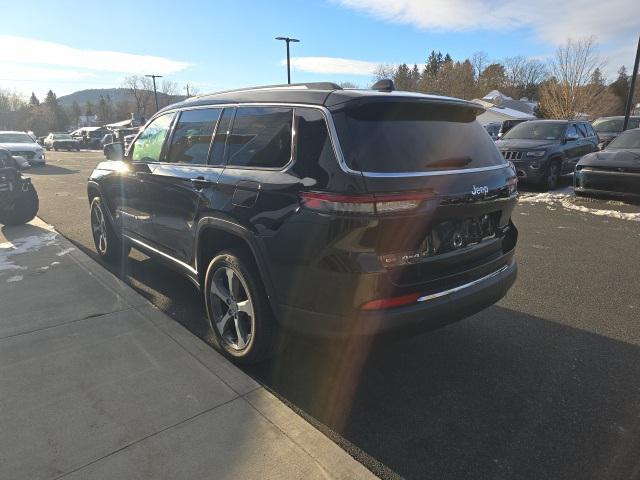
478 190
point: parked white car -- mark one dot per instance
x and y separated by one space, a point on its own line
23 147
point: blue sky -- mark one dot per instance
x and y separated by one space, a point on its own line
221 44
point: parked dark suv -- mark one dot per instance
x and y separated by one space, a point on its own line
324 210
542 150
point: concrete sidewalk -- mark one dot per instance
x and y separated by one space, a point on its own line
97 383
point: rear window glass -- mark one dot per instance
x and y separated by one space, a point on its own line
401 137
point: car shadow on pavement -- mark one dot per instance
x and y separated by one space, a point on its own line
502 394
49 169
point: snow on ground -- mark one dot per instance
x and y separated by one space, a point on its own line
567 199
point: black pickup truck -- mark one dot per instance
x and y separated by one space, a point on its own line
18 197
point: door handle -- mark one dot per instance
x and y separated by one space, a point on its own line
200 182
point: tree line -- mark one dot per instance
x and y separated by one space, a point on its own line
42 117
568 85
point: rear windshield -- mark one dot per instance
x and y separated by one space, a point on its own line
397 137
626 140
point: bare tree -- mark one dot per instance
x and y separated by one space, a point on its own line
168 90
570 90
522 75
141 89
479 60
384 71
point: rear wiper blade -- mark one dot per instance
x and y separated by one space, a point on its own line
449 162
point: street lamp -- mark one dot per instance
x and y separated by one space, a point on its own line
155 92
288 40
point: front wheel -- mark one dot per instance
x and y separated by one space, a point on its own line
238 309
551 176
24 208
108 244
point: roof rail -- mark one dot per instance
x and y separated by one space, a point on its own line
283 86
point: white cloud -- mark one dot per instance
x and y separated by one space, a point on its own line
332 65
550 20
21 50
16 72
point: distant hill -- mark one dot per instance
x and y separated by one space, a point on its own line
117 95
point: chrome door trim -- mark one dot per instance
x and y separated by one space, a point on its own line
161 253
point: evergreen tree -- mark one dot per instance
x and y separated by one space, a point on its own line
51 99
33 100
620 87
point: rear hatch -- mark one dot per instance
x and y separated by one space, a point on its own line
439 153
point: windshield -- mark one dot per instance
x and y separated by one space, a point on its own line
15 138
626 140
535 131
413 137
608 125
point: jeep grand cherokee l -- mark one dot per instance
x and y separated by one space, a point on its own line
319 209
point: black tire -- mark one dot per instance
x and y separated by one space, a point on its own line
263 339
48 149
110 246
24 208
551 176
55 149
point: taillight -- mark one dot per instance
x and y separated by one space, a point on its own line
391 302
362 204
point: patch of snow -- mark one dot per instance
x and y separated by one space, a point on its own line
566 199
19 246
65 251
15 278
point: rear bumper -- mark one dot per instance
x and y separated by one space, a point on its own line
430 312
603 182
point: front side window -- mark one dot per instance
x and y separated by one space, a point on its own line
192 136
572 132
260 137
148 146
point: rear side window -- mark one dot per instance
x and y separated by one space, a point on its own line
260 137
192 136
314 151
220 139
402 137
582 129
148 145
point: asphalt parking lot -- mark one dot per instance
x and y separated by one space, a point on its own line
546 384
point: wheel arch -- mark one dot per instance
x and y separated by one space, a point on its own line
215 235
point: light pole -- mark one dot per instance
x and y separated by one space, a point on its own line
155 92
627 107
288 40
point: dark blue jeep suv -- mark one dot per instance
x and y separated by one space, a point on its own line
314 208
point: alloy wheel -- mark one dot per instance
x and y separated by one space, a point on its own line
232 308
99 229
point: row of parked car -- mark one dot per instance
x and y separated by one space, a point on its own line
600 154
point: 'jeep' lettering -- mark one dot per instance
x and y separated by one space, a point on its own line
478 190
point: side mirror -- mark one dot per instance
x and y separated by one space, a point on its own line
114 151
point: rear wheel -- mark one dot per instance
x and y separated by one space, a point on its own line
238 308
108 244
24 208
551 176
